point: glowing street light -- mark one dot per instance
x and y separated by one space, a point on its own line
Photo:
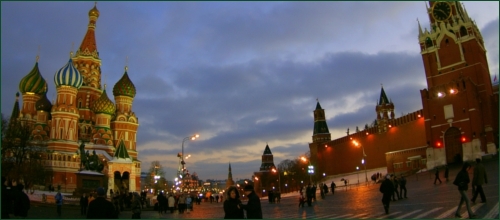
279 178
363 158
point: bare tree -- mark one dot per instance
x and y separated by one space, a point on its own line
21 155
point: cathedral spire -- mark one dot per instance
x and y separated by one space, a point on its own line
15 110
89 46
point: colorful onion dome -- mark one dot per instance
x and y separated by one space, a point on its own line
33 82
43 104
124 86
68 75
94 12
103 104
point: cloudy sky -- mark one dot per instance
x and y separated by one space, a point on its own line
241 74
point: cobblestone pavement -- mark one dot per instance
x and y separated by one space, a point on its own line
425 200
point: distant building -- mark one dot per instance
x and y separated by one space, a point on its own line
459 119
265 179
229 181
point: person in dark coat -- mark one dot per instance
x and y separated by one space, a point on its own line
270 196
100 208
84 202
21 202
402 186
7 198
136 206
309 195
325 188
437 176
253 207
313 189
395 183
387 189
333 187
462 180
446 172
161 202
478 180
59 201
232 205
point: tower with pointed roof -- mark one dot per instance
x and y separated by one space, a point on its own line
83 112
229 181
459 105
267 160
321 132
385 112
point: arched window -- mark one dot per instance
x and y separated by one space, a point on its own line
428 42
463 31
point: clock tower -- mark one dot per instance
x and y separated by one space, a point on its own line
459 106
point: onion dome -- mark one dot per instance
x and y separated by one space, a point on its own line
103 104
43 104
68 75
124 86
94 12
33 82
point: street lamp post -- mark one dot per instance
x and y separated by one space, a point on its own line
357 171
181 156
279 178
310 169
363 157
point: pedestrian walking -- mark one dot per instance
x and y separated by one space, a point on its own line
446 172
478 180
313 189
59 201
325 188
100 208
322 192
7 198
232 205
171 203
387 189
309 196
402 186
189 203
161 202
302 198
395 183
217 198
21 202
84 202
270 196
437 176
136 206
333 187
462 181
253 207
182 203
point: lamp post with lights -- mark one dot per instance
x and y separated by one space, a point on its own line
310 168
279 178
182 168
363 158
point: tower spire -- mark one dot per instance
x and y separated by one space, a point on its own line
420 33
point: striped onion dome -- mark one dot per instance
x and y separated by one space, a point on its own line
124 86
68 75
43 104
103 104
33 82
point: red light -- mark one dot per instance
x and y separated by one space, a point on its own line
367 133
326 145
438 144
463 139
419 115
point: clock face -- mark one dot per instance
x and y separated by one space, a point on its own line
441 11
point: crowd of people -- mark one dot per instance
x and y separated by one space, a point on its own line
181 202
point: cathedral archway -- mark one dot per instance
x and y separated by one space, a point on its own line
453 145
121 181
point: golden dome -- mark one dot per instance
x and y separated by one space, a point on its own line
94 12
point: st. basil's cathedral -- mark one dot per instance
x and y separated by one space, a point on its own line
83 120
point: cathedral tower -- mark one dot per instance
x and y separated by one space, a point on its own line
88 63
458 103
267 160
32 87
321 132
